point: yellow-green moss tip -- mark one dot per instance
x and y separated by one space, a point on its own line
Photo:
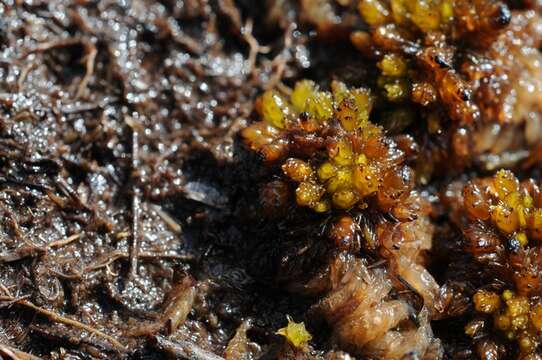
295 333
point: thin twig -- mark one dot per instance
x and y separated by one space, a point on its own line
377 264
62 242
15 300
90 61
109 260
42 47
32 250
5 289
24 73
118 254
191 45
14 354
170 222
67 321
67 189
76 276
135 204
14 223
24 115
253 45
279 62
20 253
84 107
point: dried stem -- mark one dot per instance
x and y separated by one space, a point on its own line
135 206
11 353
170 222
90 61
62 242
64 320
254 46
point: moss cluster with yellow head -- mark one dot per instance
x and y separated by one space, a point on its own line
517 317
332 151
513 208
304 115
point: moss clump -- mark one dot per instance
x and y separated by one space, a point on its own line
500 221
337 157
512 208
517 317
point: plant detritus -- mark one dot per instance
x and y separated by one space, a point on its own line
339 160
128 205
366 321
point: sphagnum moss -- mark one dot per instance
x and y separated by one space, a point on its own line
328 146
500 220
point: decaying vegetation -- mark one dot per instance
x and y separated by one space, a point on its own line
279 179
